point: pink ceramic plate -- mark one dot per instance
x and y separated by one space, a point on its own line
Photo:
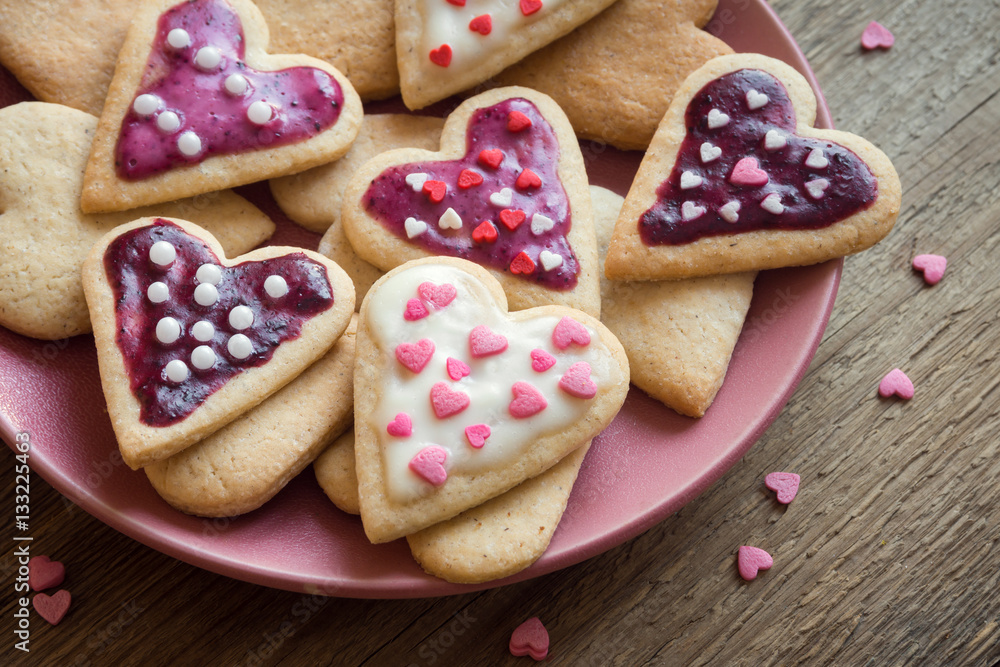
647 465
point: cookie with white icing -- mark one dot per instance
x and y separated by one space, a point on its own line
458 400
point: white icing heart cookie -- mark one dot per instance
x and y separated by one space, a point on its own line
458 400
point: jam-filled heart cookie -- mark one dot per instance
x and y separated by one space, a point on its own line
737 178
457 400
507 190
187 340
197 104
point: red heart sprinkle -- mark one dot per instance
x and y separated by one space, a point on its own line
576 381
517 121
529 7
52 608
877 35
527 401
484 342
530 638
747 172
438 296
569 331
446 401
752 559
457 3
482 24
469 178
477 434
511 218
541 360
933 267
528 179
491 158
522 264
435 190
485 232
457 369
415 310
785 484
429 464
415 355
896 382
401 426
44 573
441 55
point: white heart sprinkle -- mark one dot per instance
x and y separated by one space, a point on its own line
690 180
502 198
772 204
775 140
690 211
550 260
416 180
816 187
709 152
717 119
450 220
756 100
541 224
816 159
730 212
414 227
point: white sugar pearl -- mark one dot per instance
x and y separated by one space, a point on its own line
205 294
276 287
236 84
146 104
209 273
168 330
260 112
162 253
241 317
168 122
203 357
177 370
203 331
208 58
240 346
179 38
189 144
158 292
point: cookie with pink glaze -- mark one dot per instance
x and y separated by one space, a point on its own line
507 190
197 104
430 446
188 340
738 179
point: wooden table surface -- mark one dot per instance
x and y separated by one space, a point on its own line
889 554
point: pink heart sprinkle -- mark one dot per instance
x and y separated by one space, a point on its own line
457 369
447 402
541 360
429 464
747 172
438 296
570 331
896 382
477 434
415 310
877 35
785 484
530 638
52 607
752 559
933 267
401 426
44 573
527 401
415 355
483 342
576 381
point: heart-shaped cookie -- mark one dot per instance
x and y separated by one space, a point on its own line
507 186
780 193
197 104
535 417
445 47
188 340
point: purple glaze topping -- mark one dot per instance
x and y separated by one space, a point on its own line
535 148
804 201
130 272
304 100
